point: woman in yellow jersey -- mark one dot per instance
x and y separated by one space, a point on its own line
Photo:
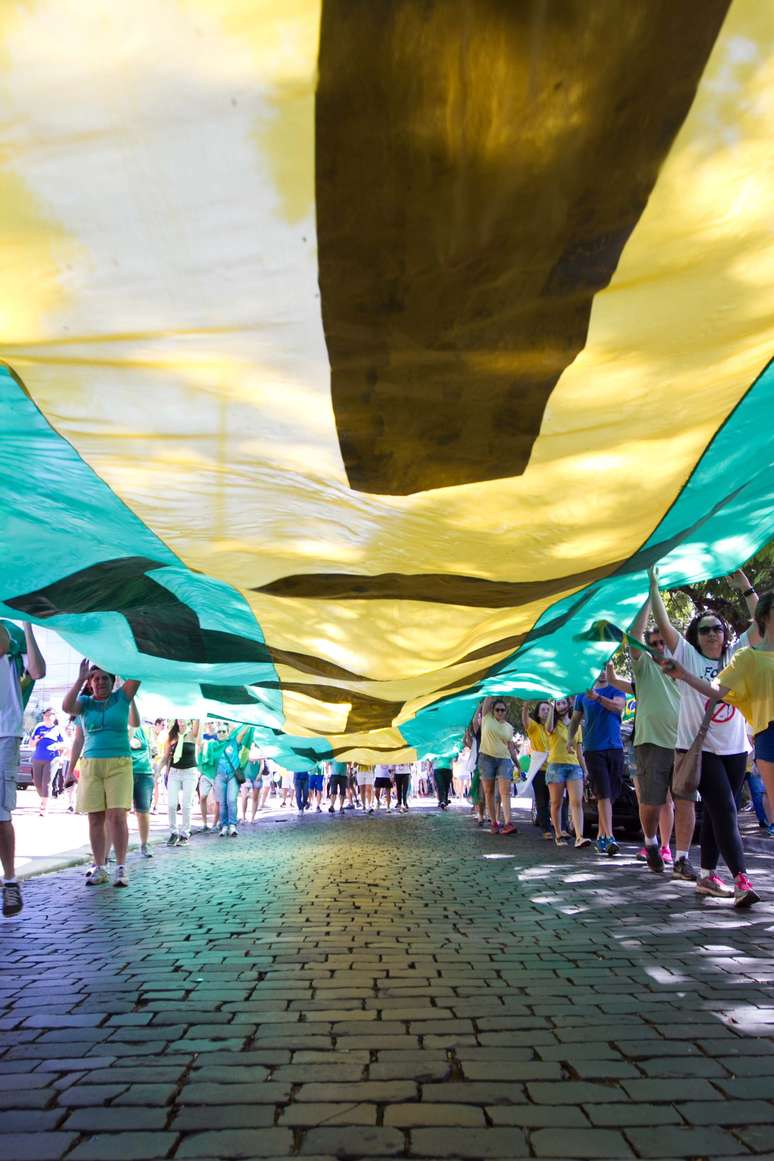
747 682
533 720
496 760
565 769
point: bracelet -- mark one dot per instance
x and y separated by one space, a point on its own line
749 592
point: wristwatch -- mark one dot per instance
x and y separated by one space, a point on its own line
749 592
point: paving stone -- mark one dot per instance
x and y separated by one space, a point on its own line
631 1115
31 1120
669 1090
409 1070
36 1146
146 1094
579 1142
570 1092
410 1116
223 1117
537 1116
474 1143
124 1147
89 1095
683 1141
113 1120
728 1112
503 1070
36 1098
302 1114
474 1092
353 1142
206 1093
380 1091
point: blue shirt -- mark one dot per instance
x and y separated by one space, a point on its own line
601 727
105 726
47 740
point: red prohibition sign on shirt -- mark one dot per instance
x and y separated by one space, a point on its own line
722 713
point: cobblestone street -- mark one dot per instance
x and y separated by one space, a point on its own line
386 987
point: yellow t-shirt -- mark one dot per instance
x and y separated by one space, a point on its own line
495 737
557 746
538 738
749 676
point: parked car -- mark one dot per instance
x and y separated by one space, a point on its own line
24 775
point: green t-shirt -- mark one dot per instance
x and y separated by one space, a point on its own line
106 726
141 757
658 704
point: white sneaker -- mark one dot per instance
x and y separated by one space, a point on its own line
232 831
223 831
121 878
146 852
96 877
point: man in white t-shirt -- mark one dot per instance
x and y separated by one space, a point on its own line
20 658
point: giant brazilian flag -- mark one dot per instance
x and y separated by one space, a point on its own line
358 355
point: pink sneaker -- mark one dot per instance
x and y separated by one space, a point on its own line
509 829
744 895
666 854
712 884
642 855
494 828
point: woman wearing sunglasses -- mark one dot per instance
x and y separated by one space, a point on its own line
496 759
704 651
106 784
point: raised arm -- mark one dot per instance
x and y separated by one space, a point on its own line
134 715
77 746
739 581
575 722
668 631
615 705
130 689
36 666
71 703
549 725
525 718
640 621
486 706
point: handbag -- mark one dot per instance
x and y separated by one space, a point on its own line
687 768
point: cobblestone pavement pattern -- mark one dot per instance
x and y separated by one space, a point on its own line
390 987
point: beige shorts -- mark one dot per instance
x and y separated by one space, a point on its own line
105 784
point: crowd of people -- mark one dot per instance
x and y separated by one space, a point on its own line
704 722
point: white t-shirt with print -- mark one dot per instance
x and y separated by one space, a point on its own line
727 732
11 708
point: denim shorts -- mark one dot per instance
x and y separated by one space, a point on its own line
563 772
490 767
142 792
315 782
764 744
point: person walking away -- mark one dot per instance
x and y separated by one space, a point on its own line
48 742
441 769
600 709
253 784
496 760
301 787
316 780
181 783
704 652
142 778
402 780
382 785
565 771
338 785
21 665
106 785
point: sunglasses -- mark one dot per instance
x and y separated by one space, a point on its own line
500 709
710 628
